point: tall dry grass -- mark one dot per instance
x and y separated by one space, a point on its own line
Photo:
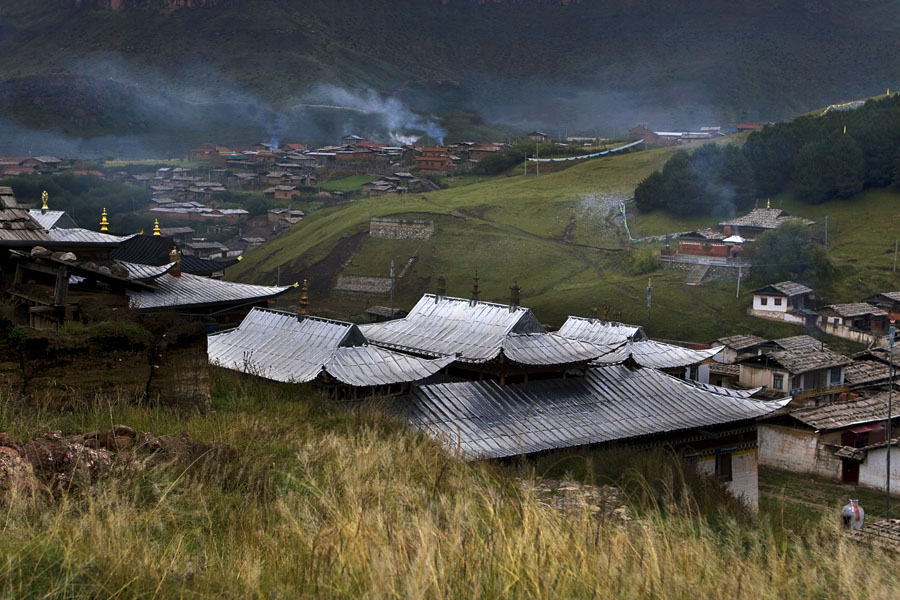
322 503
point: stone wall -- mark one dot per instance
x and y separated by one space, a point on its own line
744 482
715 272
401 229
797 450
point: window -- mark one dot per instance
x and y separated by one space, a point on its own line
796 382
778 381
763 300
834 376
777 301
723 465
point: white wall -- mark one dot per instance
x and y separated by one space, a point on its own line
796 450
744 482
770 305
873 469
775 316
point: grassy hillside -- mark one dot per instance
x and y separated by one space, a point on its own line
559 65
559 236
304 499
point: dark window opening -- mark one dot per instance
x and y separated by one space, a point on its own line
723 466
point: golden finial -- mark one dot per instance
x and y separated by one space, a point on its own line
44 197
845 130
304 299
156 227
104 223
296 284
768 203
240 257
175 255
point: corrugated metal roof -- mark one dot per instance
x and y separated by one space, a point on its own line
280 346
722 391
191 290
139 271
486 420
658 355
599 332
84 236
649 353
46 219
550 349
448 326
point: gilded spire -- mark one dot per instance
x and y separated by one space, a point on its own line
304 299
156 227
44 197
104 223
768 203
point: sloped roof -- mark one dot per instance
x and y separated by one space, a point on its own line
146 250
785 288
486 420
741 341
86 237
657 355
192 290
800 360
285 347
862 372
139 271
798 341
837 415
892 296
448 326
51 218
204 266
599 332
17 227
550 349
763 218
856 309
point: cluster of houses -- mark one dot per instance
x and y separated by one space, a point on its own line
866 322
13 166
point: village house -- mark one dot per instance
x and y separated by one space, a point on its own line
808 440
538 136
706 242
859 322
758 221
434 160
784 301
640 132
284 192
44 164
889 301
811 375
352 140
180 235
737 347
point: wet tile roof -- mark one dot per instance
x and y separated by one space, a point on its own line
740 342
837 415
857 309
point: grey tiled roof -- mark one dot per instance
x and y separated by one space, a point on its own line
486 420
862 372
837 415
857 309
762 218
801 360
798 341
739 342
599 332
786 288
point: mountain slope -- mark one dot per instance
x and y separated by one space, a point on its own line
557 65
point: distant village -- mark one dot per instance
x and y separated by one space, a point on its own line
487 380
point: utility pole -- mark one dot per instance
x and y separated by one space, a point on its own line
887 482
826 232
738 292
392 288
278 276
537 156
895 255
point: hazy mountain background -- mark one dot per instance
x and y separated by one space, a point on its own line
132 76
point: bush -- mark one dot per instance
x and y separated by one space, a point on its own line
119 335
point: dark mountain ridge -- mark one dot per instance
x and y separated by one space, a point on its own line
574 66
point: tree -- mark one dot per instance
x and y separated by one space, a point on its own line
648 195
788 253
831 168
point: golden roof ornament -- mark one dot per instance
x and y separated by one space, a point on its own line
304 299
104 223
44 198
768 203
156 227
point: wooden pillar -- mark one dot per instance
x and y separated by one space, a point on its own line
61 293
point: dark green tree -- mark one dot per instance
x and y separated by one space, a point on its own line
831 168
788 253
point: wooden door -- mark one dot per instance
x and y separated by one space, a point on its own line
849 471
